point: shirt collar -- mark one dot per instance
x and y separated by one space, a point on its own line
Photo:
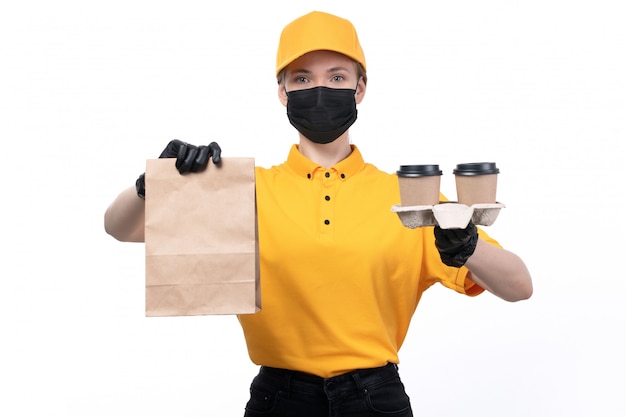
345 168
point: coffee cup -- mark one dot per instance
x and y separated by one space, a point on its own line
419 184
476 182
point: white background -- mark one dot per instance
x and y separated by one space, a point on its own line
89 91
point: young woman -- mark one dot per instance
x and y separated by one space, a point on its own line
341 276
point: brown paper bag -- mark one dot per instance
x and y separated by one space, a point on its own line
201 239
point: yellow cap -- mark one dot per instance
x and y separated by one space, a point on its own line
318 31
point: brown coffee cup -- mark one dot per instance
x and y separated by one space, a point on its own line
419 184
476 182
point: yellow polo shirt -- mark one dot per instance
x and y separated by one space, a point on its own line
340 275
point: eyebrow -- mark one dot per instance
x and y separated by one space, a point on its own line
301 71
306 71
335 69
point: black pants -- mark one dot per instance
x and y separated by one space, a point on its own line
362 393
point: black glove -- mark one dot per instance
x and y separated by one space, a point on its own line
189 158
456 245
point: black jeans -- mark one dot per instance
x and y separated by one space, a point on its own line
362 393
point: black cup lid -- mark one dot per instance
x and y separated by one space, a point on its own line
476 168
418 170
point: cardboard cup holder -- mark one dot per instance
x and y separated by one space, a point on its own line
447 214
415 216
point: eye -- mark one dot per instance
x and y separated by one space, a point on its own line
301 80
338 78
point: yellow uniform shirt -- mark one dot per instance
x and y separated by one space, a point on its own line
340 275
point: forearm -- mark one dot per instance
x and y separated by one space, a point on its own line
500 272
124 219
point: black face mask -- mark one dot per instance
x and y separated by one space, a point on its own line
322 114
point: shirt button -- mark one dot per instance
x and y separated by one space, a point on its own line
343 175
326 222
327 198
327 174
